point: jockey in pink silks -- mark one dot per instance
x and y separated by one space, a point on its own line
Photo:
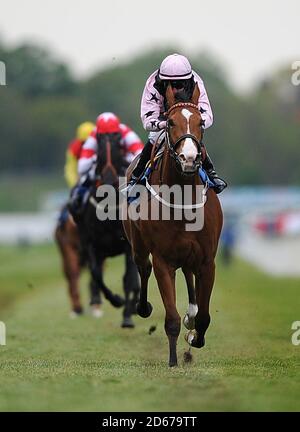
177 71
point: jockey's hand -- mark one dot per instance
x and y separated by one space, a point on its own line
162 125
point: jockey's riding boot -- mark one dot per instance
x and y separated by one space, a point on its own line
144 158
79 197
63 216
219 184
140 167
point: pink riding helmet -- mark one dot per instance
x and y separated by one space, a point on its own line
175 67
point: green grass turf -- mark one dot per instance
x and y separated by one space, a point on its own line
54 363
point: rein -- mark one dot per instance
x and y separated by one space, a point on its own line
177 206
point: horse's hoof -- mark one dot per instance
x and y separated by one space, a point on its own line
117 301
173 363
127 323
144 312
198 343
96 312
192 339
189 322
190 336
76 312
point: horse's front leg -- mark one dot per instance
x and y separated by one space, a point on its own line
95 265
131 287
71 268
143 307
204 285
165 276
95 298
189 318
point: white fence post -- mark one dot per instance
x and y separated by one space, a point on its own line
2 73
2 333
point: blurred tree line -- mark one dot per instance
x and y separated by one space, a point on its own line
254 139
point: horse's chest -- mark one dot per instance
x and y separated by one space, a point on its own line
180 252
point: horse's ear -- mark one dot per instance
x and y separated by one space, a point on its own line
170 96
196 95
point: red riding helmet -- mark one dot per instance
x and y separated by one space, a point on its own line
107 122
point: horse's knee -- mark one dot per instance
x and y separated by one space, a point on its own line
172 326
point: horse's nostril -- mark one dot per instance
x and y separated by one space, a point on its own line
182 157
191 159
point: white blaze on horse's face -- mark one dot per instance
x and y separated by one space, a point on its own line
189 150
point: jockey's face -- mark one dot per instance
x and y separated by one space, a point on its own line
177 86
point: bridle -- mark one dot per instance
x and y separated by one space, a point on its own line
171 148
172 145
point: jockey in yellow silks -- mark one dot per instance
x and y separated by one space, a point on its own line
74 152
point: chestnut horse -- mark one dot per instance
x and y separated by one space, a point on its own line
74 259
171 245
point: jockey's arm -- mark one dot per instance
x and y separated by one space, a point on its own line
87 156
132 143
72 156
203 103
71 170
151 106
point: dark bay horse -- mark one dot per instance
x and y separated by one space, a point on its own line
169 242
106 238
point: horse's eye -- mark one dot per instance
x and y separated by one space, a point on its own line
171 123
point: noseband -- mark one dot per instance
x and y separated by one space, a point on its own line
172 146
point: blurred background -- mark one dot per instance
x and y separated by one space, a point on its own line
65 63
